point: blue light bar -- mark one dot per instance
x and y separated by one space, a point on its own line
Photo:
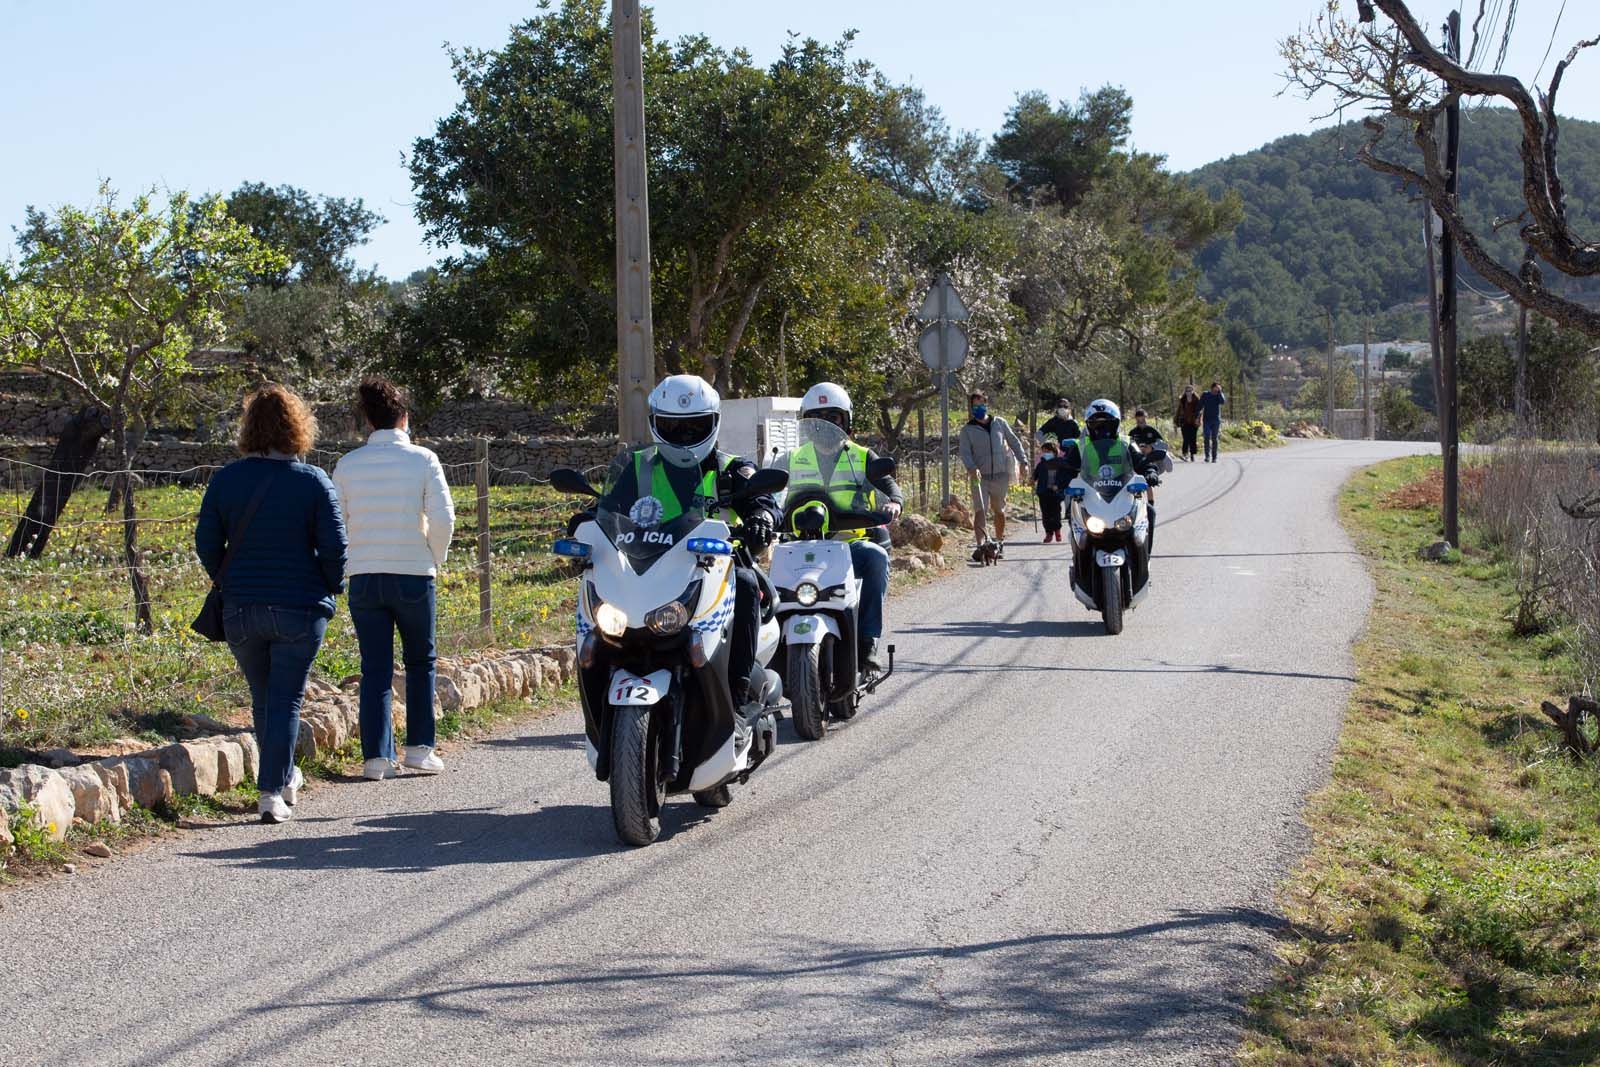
1138 485
709 546
1075 492
570 548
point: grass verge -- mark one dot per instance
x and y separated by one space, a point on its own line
1449 911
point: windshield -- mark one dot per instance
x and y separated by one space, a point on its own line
645 520
820 459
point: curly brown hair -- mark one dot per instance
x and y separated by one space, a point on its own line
276 420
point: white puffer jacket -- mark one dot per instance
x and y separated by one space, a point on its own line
397 506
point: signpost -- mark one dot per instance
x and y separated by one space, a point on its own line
943 346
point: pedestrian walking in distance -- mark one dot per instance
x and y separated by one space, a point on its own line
401 518
1050 478
1187 416
271 537
1211 402
992 455
1060 425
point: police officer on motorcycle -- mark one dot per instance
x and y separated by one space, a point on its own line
684 469
842 472
1103 452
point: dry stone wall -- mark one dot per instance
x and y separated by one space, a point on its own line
102 790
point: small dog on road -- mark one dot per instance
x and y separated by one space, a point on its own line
987 554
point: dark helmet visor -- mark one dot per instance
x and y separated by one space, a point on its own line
685 430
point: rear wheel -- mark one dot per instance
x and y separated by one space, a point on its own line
1111 598
806 704
720 797
637 791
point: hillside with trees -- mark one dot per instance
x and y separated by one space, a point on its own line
1321 230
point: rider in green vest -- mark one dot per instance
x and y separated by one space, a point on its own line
1102 453
684 469
843 472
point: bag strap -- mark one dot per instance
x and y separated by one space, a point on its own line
244 524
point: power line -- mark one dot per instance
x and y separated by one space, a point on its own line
1551 46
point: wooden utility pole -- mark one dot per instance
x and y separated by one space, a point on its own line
1449 400
635 328
485 546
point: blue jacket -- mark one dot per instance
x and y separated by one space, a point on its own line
1211 407
292 554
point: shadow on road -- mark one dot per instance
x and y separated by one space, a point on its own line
979 629
428 840
1026 997
535 741
917 666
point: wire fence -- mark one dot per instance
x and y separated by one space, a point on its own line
75 666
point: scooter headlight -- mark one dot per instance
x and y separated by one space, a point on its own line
667 620
1095 524
610 620
806 593
1126 522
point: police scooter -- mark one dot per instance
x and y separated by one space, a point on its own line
655 610
819 600
1111 541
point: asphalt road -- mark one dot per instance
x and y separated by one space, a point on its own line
1036 844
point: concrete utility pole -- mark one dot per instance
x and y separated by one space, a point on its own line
1327 420
636 371
1449 398
1366 378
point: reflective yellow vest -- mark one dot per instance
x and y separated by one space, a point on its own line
662 489
850 493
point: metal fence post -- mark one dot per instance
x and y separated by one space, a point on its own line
922 460
485 598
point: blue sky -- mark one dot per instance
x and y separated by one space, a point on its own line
329 95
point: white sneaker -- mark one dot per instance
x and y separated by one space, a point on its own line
273 809
378 769
291 792
423 758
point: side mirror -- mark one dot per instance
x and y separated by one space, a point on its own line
566 480
765 480
881 467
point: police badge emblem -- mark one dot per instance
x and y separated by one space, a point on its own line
646 513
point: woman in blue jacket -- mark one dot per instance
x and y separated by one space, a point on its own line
281 519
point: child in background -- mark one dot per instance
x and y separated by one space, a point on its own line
1050 486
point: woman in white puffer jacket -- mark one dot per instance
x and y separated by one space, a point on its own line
400 518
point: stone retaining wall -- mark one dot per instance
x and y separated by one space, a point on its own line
101 790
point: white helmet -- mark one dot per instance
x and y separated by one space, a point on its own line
826 397
685 412
1096 415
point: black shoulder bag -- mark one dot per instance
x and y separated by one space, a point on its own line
208 624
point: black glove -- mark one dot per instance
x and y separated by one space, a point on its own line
759 531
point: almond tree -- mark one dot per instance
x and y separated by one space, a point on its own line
1389 66
111 300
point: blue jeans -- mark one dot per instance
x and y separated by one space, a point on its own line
871 563
378 604
274 647
1213 431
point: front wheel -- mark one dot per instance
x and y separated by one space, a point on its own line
804 680
637 791
1111 598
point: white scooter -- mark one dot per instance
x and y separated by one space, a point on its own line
1110 541
819 601
653 628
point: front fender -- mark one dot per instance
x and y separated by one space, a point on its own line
809 629
630 690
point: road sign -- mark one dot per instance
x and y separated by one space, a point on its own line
943 346
943 302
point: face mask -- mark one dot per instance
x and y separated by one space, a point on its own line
1049 454
979 411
